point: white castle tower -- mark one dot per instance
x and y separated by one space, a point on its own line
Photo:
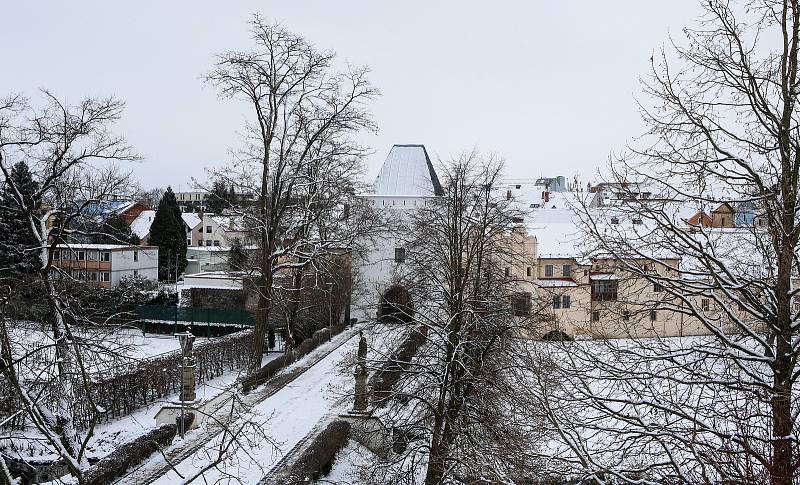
406 181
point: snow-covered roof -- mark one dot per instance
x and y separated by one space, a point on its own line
408 171
191 219
141 225
106 247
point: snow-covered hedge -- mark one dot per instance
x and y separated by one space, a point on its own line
272 367
382 381
316 460
130 454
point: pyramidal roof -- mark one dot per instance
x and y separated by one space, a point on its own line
408 171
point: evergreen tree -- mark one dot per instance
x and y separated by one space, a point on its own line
168 233
237 258
114 230
218 198
18 254
233 199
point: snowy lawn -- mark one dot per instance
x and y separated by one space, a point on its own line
106 350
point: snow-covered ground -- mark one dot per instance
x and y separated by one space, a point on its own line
107 349
348 464
285 417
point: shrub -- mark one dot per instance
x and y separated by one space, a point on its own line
118 462
316 460
267 372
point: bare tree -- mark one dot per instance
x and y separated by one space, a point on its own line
69 150
720 408
300 165
451 406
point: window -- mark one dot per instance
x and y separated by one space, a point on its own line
106 256
81 255
136 273
508 271
556 302
626 315
653 315
189 241
595 316
529 271
399 255
56 255
136 256
604 290
705 303
66 255
548 270
216 242
658 287
566 301
567 270
93 276
91 255
521 304
105 276
208 229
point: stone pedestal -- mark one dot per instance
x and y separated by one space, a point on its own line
361 398
187 380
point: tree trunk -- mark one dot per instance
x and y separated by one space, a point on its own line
783 366
63 418
264 289
294 303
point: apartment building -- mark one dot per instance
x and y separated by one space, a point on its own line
192 201
105 264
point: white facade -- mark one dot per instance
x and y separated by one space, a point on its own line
105 265
141 262
220 231
407 180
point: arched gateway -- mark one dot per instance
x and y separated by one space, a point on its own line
395 306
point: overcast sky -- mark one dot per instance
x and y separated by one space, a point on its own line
549 85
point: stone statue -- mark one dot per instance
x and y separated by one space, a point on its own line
362 351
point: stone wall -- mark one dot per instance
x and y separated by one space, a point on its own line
217 298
